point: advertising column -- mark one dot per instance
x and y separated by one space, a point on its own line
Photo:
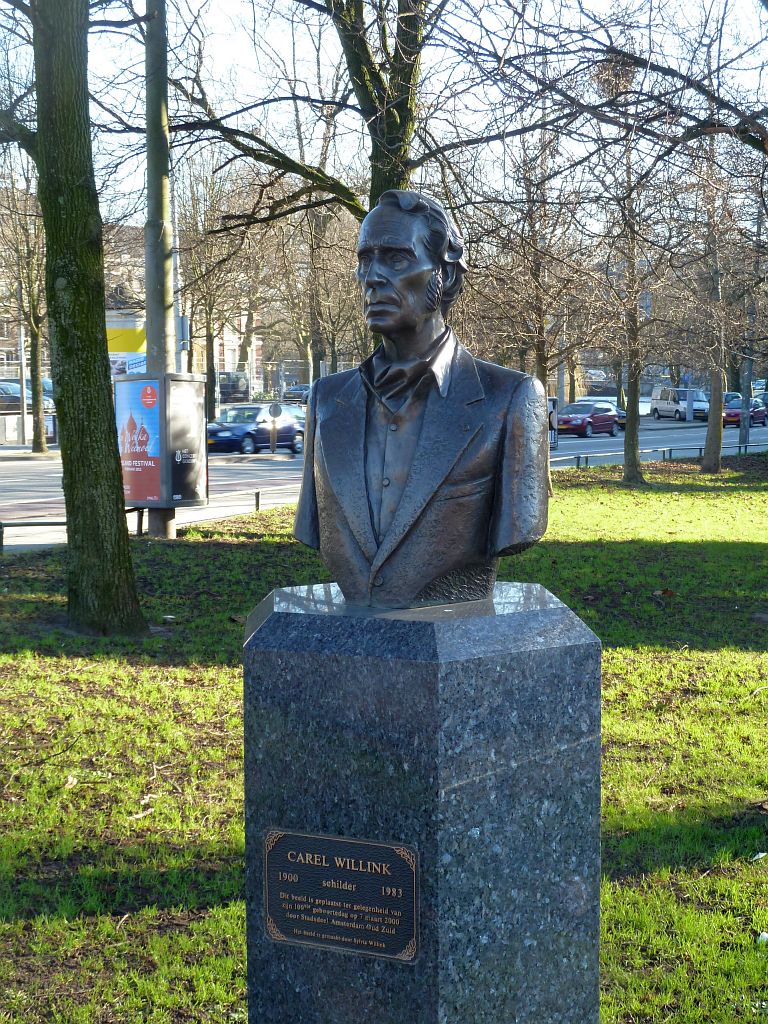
137 412
187 441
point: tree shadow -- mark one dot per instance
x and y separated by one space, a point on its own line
658 594
702 839
114 881
684 477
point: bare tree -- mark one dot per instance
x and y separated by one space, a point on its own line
56 135
22 252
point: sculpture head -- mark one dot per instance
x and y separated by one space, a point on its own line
410 266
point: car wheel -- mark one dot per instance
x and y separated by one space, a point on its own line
656 415
247 445
298 444
588 430
678 417
614 430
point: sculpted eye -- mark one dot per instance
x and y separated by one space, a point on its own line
398 260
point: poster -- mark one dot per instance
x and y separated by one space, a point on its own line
137 412
127 362
187 445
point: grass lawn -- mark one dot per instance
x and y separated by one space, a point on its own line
121 841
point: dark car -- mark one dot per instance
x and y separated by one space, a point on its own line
45 381
297 393
10 398
732 412
622 414
762 396
588 418
247 428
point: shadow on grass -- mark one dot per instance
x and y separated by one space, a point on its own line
631 593
107 881
656 593
683 476
684 840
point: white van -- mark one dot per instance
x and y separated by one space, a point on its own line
670 401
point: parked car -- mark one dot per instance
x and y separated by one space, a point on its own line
731 396
588 418
667 400
622 414
46 382
10 399
762 396
246 429
297 393
732 413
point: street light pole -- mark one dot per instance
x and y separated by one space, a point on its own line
158 231
22 371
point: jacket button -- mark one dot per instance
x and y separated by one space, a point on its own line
393 426
385 482
378 581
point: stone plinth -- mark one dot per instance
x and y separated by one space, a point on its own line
468 732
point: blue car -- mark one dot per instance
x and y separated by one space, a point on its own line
247 428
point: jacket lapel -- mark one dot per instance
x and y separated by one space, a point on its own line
342 435
449 425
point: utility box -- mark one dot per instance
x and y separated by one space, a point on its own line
161 433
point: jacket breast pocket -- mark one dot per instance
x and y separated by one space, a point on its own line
465 488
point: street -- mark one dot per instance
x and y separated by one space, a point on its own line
31 488
686 440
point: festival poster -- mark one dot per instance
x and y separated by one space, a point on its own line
137 412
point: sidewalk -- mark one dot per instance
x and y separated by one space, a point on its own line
24 452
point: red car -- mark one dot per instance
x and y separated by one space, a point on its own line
588 418
732 412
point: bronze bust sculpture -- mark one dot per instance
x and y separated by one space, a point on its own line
423 465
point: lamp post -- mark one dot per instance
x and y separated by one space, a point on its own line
158 230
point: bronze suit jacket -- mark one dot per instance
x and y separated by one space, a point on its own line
477 487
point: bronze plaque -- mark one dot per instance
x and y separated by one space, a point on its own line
349 895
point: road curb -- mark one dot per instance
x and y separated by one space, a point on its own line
29 456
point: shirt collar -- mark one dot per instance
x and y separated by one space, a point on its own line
442 361
384 380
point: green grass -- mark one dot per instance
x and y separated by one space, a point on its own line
121 844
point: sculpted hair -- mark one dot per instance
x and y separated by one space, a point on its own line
442 238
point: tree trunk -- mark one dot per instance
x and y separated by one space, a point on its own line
39 443
632 472
101 587
618 373
316 339
210 368
244 351
674 374
711 462
733 371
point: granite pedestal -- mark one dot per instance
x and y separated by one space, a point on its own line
468 733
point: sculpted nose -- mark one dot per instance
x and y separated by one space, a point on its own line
373 274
